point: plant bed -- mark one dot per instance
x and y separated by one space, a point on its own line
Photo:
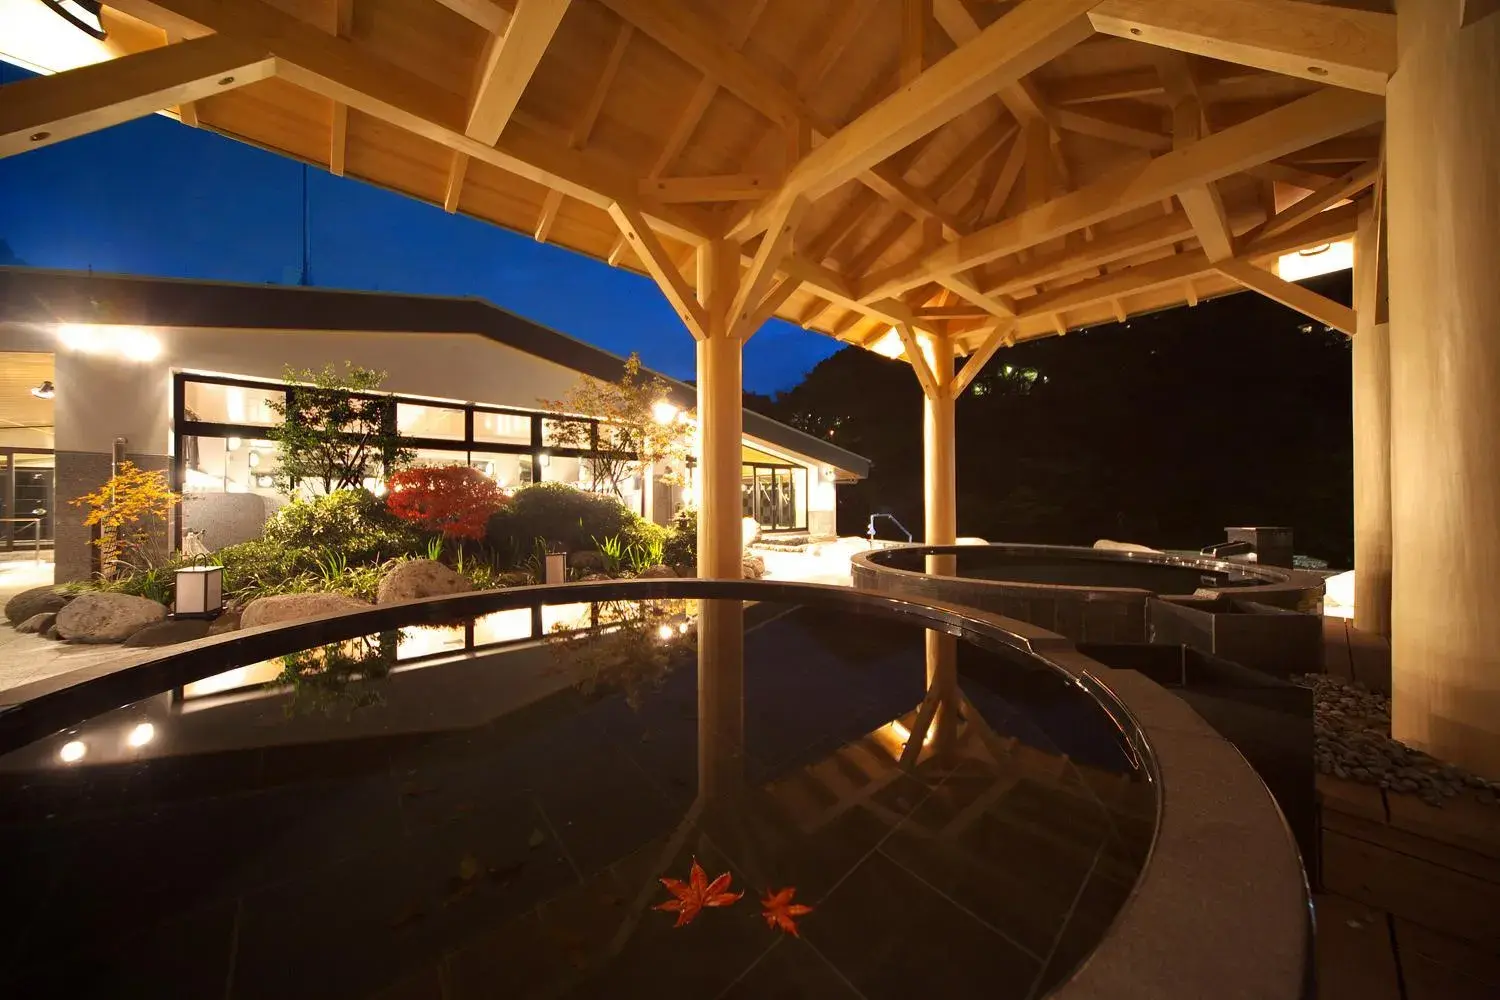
1276 641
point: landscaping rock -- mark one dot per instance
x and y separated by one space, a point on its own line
657 573
169 632
38 623
107 617
585 560
36 601
752 566
227 622
294 607
420 578
1351 730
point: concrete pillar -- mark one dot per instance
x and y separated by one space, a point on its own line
1372 433
1443 220
720 416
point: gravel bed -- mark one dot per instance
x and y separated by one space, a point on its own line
1352 731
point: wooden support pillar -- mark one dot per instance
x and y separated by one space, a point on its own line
1443 220
1372 434
720 417
939 470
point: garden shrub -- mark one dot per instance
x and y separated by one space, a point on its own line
455 500
682 543
354 522
566 517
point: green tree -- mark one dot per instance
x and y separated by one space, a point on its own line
336 430
635 429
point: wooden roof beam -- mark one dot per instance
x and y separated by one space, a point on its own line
773 249
343 71
486 13
1108 247
661 268
1355 49
48 109
1177 268
1031 34
1293 296
1348 186
1318 116
713 188
509 62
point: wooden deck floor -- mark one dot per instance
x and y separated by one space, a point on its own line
1410 903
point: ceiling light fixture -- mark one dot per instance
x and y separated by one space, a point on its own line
82 14
44 391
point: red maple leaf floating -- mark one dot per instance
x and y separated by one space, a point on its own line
781 913
690 897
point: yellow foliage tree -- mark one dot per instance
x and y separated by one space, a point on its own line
130 511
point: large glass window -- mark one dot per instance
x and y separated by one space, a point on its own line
776 496
502 428
419 420
246 405
510 472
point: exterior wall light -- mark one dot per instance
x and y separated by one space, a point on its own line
829 473
121 341
200 592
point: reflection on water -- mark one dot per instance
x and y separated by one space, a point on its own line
447 815
340 677
629 646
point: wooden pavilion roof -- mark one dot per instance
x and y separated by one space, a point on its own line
997 171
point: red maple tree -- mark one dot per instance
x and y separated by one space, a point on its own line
453 499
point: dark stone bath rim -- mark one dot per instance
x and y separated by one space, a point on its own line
1221 908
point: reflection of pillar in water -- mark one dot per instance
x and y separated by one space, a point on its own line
721 696
942 670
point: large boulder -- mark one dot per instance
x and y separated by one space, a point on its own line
752 566
107 617
37 624
294 607
416 578
170 633
586 560
36 601
657 573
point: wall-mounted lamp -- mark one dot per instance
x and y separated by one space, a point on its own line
664 412
233 444
546 459
829 473
44 391
253 459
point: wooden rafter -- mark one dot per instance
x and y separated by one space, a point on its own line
918 360
721 187
653 255
773 249
915 17
1348 186
1326 44
187 111
1202 202
769 303
992 339
486 13
1177 268
1029 35
343 71
509 62
1140 238
338 138
1293 296
1318 116
47 109
551 202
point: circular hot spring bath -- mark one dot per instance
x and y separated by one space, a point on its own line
1089 595
661 789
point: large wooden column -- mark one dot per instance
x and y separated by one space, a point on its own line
939 468
720 417
1443 204
1372 433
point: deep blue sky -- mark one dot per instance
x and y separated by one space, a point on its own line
153 197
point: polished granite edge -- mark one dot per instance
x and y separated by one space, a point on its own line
1220 909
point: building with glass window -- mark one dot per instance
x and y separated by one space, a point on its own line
184 376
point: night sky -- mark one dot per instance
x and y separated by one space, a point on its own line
155 198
